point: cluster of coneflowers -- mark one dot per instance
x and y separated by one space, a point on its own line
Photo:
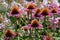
31 22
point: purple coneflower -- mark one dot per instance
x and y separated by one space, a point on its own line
9 35
15 11
47 37
37 13
45 12
54 10
35 24
25 28
30 7
50 27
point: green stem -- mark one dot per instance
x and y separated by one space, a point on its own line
28 15
35 33
44 22
23 21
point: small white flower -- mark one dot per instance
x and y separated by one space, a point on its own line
12 27
45 2
7 22
5 4
2 26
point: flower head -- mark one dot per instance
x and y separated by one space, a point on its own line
50 27
47 37
54 10
37 13
45 12
25 28
30 6
9 33
15 11
35 24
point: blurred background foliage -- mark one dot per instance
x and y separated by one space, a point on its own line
59 1
26 0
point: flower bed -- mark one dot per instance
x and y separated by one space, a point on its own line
34 20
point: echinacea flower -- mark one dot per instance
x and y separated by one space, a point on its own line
35 24
47 37
53 10
37 13
9 33
15 11
50 27
31 6
30 9
45 12
25 28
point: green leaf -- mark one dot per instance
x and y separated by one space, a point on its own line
13 19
